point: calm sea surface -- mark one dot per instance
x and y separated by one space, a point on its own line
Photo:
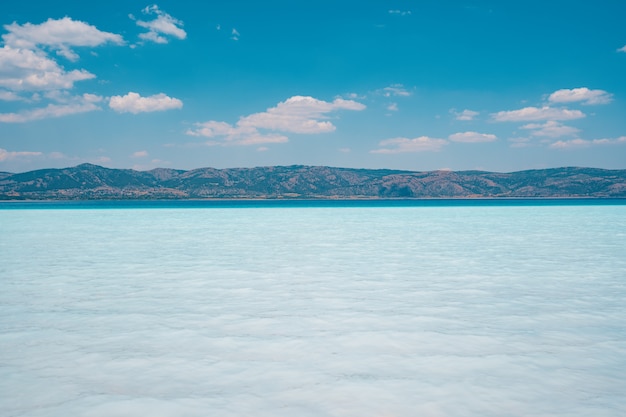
456 309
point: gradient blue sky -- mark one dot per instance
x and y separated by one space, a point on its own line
419 85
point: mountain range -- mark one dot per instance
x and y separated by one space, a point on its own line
89 182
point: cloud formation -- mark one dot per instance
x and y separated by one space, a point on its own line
139 154
10 155
163 25
472 137
30 70
400 12
59 35
9 96
582 143
551 128
68 106
29 74
298 114
465 115
583 95
622 49
537 113
134 103
406 145
395 90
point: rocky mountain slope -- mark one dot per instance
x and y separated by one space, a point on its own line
88 181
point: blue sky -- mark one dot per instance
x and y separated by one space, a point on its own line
419 85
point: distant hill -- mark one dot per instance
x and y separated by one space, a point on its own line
88 181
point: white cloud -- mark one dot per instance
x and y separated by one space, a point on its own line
164 24
27 70
622 49
234 135
392 107
520 142
472 137
75 105
59 35
404 145
569 144
618 141
536 113
139 154
394 90
582 143
57 155
8 155
551 128
298 114
583 94
212 129
134 103
9 96
101 160
26 67
355 96
465 115
400 12
235 35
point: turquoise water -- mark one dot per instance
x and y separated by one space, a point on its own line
185 309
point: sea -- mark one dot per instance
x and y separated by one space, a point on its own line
430 308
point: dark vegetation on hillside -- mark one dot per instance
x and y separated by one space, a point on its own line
88 181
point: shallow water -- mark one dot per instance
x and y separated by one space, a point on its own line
483 310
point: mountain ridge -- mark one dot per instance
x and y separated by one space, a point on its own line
88 182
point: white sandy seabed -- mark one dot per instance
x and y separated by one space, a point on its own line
423 311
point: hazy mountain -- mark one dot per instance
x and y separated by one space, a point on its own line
88 181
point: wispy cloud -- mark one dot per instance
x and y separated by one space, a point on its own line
134 103
622 49
400 12
551 128
235 34
520 142
30 70
570 144
11 155
583 95
406 145
582 143
472 137
139 154
536 114
465 115
26 67
10 96
394 90
298 114
162 27
73 105
223 133
59 35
